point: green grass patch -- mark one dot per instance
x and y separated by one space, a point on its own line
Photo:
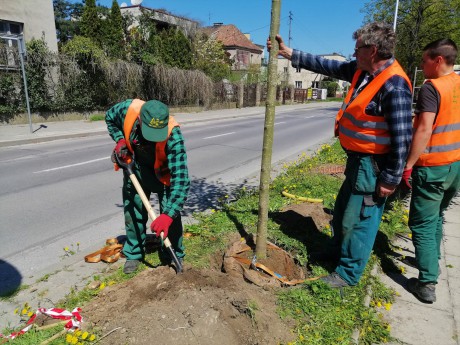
97 117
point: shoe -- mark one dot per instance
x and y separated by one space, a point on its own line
131 266
426 292
334 280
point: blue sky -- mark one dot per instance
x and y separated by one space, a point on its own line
318 26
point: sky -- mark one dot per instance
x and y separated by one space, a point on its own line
317 26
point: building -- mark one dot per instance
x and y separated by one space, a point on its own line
241 50
33 20
302 78
162 18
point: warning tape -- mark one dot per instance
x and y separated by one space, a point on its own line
74 318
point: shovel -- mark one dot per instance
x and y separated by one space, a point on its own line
128 169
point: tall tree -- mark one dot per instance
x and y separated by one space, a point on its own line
264 184
418 23
210 57
91 25
114 38
66 17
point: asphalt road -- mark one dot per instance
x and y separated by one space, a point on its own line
65 193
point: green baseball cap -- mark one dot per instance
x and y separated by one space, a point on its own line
155 118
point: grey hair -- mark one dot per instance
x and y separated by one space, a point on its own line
378 34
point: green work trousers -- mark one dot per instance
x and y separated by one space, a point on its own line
357 215
136 216
432 190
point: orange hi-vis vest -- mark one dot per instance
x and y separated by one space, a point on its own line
161 160
444 145
360 132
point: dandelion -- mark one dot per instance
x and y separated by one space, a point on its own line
92 337
84 335
402 269
409 235
16 310
68 338
101 287
379 304
213 211
387 306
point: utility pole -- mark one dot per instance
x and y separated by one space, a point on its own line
396 16
289 45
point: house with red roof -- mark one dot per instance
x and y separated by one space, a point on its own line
241 50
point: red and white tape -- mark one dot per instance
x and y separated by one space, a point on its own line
74 318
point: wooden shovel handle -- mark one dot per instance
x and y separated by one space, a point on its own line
147 205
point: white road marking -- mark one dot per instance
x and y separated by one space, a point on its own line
309 117
71 165
278 123
219 135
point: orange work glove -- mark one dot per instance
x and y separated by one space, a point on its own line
161 224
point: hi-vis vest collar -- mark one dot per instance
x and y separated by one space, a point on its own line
360 132
161 160
444 144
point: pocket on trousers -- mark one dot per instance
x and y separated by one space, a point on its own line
366 178
368 204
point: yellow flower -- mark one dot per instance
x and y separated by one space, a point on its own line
379 304
16 310
68 338
409 235
387 306
77 333
66 249
74 340
30 313
84 335
92 337
402 269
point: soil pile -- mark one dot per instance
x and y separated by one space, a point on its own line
199 307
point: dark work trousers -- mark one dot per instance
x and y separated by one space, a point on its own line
357 215
136 216
432 190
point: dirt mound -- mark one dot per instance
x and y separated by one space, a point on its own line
195 307
205 306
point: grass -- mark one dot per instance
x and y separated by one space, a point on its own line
321 315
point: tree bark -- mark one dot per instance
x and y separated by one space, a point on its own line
261 245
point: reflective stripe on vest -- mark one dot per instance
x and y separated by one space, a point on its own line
161 160
358 131
444 144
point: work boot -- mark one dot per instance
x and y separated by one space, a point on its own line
131 266
426 292
334 280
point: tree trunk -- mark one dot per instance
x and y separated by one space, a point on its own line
261 246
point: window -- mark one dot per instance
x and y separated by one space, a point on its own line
298 84
8 47
285 69
298 69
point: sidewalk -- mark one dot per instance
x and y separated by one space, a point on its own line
11 135
412 322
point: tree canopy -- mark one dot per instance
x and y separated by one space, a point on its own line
419 22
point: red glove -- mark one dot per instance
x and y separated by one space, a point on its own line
121 150
405 183
161 224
